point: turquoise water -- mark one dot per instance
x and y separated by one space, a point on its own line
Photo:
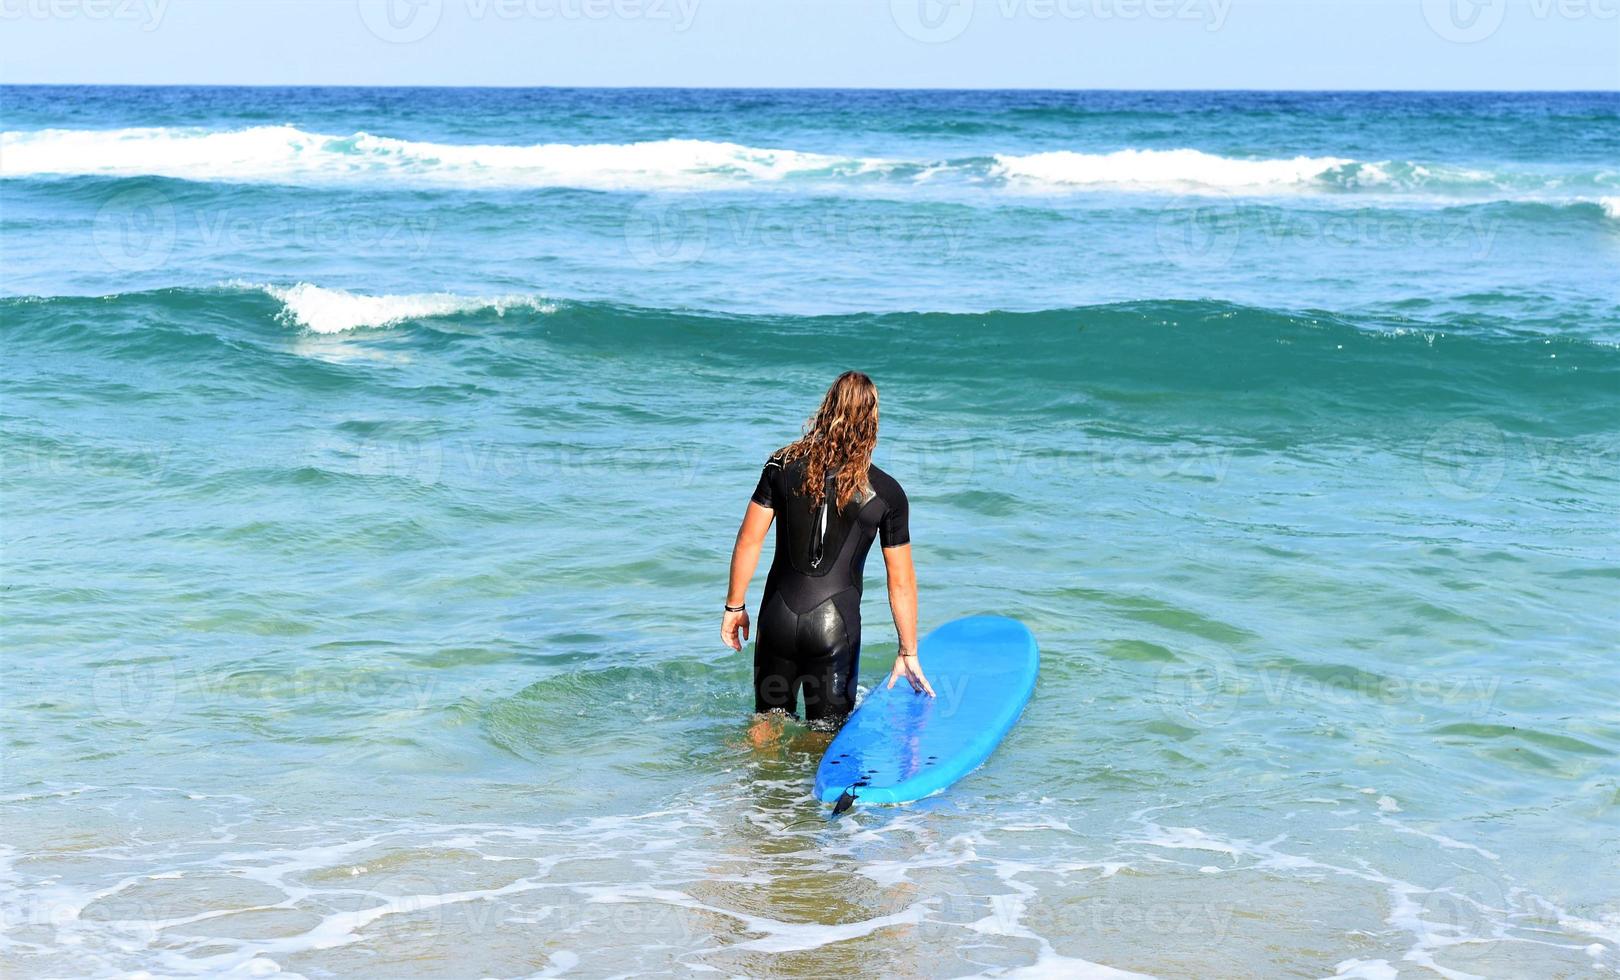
372 460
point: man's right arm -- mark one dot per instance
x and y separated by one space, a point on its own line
903 603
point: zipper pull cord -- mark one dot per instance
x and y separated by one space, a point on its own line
817 552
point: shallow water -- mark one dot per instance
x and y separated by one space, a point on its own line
366 512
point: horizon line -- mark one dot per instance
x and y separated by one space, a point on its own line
822 88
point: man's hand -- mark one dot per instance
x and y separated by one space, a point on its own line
731 625
906 665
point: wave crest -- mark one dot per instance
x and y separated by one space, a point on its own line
271 154
1168 170
288 155
323 310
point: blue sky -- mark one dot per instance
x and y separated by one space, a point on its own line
1313 44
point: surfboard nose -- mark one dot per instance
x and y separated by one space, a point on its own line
983 629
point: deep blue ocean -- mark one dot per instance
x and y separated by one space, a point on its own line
372 459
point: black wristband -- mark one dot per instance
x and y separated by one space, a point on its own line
741 608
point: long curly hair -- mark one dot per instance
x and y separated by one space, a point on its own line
839 439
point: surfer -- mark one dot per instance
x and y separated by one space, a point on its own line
831 501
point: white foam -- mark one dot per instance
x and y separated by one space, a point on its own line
1366 970
1188 838
1606 927
1172 170
286 154
322 310
422 892
1006 919
1051 964
1406 913
1441 839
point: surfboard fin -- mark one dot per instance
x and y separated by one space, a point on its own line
845 801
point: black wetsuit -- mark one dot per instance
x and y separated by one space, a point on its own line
809 629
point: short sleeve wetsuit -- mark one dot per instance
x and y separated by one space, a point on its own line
809 631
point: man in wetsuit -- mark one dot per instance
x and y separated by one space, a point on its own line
829 502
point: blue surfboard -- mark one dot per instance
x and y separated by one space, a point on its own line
900 746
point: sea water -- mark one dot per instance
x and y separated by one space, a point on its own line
372 460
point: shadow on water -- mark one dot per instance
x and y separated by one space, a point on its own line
772 884
814 895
